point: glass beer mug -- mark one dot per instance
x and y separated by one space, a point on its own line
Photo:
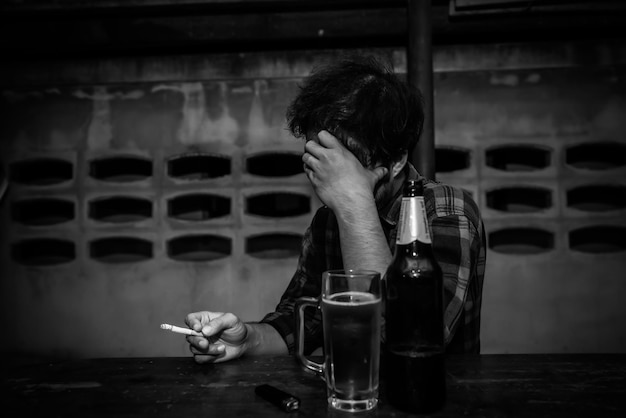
350 304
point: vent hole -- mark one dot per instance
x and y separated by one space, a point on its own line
518 158
274 246
198 207
40 212
597 198
199 248
598 239
43 252
279 205
519 199
121 169
600 156
120 250
41 172
521 241
120 209
451 159
275 165
198 167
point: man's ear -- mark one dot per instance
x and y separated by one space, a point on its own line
398 165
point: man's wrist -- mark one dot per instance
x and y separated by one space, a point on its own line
353 208
251 341
262 338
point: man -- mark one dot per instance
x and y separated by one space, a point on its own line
359 121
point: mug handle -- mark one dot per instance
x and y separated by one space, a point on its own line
302 303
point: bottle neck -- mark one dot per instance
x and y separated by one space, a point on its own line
413 223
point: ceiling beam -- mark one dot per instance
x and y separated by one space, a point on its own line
189 27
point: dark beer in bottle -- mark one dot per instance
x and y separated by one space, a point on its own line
414 343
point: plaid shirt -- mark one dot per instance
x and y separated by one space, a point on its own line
458 240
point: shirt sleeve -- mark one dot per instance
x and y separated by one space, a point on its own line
306 281
456 247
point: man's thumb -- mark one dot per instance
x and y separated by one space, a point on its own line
379 173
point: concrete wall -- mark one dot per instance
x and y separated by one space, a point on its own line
212 226
555 287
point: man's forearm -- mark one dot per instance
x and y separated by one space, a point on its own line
363 242
264 339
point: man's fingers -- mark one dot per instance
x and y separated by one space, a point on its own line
327 140
212 350
219 324
203 359
199 342
309 161
379 173
220 330
204 351
314 149
194 321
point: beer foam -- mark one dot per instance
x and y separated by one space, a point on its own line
354 298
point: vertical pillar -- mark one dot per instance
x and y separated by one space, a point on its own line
3 181
420 75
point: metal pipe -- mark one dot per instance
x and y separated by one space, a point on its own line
420 75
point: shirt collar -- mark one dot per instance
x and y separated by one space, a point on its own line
390 212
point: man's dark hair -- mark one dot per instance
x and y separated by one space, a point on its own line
360 98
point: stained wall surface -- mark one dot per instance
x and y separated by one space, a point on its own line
149 188
536 133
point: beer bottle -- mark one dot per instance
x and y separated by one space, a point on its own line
414 344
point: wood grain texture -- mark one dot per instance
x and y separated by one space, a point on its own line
478 386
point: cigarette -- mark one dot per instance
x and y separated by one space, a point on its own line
180 330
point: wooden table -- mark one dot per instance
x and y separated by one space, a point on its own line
478 386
